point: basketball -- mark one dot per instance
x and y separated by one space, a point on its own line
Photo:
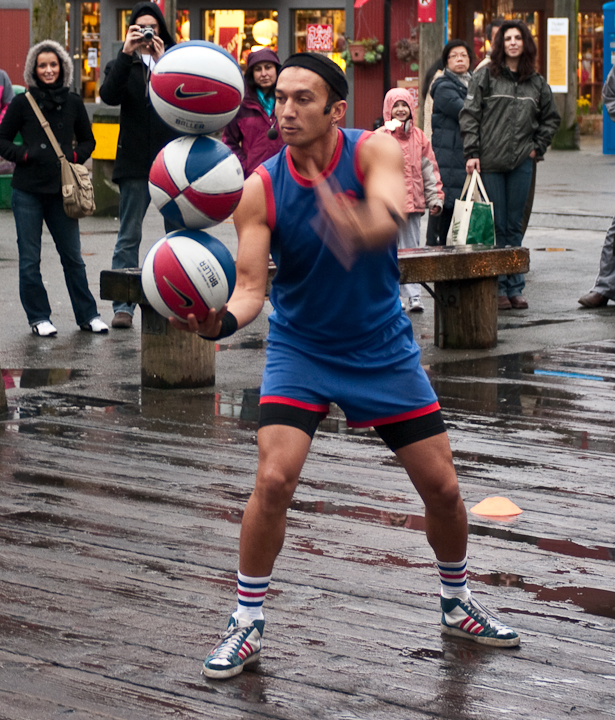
196 87
188 271
196 182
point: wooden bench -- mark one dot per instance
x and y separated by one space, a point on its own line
466 312
465 289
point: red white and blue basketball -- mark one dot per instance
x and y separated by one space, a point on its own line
196 182
196 87
188 271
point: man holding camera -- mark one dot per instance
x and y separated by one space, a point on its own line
142 133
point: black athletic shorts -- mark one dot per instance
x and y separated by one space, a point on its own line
396 434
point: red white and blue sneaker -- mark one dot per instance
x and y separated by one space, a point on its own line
239 646
466 617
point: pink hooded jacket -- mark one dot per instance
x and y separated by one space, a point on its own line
423 183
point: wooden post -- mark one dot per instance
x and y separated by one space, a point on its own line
567 137
173 359
466 314
170 358
431 44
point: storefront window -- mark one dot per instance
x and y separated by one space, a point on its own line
123 17
182 26
90 50
321 31
67 28
591 28
481 42
241 31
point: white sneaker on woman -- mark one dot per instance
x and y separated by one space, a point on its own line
416 305
96 325
44 329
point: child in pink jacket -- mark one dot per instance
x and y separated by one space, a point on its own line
423 183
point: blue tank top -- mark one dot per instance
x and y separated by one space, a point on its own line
317 304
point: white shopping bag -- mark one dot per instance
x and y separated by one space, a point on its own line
472 222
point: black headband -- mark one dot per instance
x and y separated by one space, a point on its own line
331 73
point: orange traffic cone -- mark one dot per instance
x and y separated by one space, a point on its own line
496 507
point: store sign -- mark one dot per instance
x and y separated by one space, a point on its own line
557 54
92 57
319 38
230 39
160 4
427 11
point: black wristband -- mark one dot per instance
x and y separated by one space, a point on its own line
229 326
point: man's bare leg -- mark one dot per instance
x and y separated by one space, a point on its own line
429 463
282 451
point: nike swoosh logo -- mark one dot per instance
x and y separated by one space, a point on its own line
188 302
181 95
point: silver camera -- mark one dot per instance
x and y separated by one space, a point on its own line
148 32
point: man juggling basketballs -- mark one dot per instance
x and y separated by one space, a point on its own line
327 208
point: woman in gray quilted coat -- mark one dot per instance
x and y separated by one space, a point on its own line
507 123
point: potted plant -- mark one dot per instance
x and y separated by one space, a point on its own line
367 50
407 49
590 123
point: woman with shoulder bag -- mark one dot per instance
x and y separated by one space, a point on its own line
37 186
507 123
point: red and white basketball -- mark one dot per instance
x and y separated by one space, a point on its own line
196 87
196 182
188 271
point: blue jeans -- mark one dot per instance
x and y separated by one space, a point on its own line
134 201
508 192
29 210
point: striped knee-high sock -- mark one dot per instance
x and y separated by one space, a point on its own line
453 577
251 593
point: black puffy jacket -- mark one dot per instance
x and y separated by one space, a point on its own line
448 93
504 119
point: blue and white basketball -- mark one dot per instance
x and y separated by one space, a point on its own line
196 87
196 182
188 271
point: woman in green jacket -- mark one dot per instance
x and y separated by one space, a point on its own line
507 123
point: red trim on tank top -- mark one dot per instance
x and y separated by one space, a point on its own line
396 418
280 400
305 182
269 196
355 161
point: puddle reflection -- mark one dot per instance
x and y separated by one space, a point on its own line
567 393
39 377
594 601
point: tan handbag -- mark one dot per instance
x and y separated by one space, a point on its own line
77 188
